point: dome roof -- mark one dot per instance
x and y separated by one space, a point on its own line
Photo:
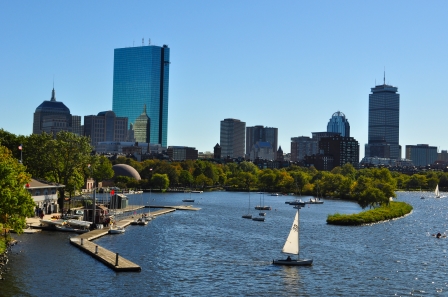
126 170
339 114
53 106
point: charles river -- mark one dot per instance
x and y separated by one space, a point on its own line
215 252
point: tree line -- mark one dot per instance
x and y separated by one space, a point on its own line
67 159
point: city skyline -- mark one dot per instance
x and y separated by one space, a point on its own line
290 72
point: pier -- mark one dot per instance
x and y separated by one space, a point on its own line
109 258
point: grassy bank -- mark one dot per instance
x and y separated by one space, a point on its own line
392 211
2 245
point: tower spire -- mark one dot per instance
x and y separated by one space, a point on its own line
53 94
384 78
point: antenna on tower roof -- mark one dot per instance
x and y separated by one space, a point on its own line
384 82
143 41
149 41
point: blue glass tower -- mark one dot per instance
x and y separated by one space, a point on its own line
141 76
339 124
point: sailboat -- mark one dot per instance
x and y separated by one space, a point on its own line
292 245
437 191
248 215
188 200
262 206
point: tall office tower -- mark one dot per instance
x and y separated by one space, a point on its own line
303 146
217 151
338 123
142 127
384 122
421 154
52 116
232 138
260 133
105 126
343 149
141 76
76 125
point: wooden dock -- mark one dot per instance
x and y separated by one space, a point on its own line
176 207
111 259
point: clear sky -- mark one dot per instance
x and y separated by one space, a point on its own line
283 64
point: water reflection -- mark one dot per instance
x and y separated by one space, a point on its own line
214 252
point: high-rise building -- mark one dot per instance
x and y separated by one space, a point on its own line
421 154
105 126
141 76
384 122
303 146
52 116
339 124
263 134
142 127
343 149
77 128
232 138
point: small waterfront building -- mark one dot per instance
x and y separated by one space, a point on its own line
44 194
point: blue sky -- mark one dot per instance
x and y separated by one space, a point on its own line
284 64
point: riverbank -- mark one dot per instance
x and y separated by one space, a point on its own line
387 212
4 255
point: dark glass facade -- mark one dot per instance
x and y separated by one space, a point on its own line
141 76
384 120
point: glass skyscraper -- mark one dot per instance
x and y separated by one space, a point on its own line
339 124
384 123
141 76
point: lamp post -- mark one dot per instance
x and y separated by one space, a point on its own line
94 197
20 149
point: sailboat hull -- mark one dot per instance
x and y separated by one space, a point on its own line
299 262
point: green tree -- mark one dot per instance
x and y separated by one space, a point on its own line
186 178
36 157
300 179
267 179
16 203
211 172
69 155
101 168
248 167
160 181
203 181
246 179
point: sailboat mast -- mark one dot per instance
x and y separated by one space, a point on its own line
298 232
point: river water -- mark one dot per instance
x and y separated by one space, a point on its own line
214 252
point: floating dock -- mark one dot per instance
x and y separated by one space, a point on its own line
111 259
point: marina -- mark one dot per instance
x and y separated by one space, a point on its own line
213 252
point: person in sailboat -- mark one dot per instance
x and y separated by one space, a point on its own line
438 235
288 259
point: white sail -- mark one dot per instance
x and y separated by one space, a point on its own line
292 242
437 191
